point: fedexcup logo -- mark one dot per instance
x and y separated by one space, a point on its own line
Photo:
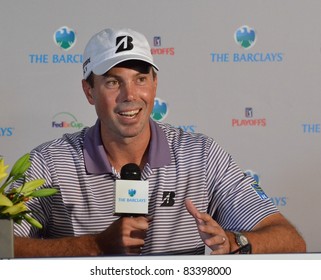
65 38
160 110
65 120
245 37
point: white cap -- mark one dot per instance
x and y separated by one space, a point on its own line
109 47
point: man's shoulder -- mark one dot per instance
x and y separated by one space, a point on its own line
66 141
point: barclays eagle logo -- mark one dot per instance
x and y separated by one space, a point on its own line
245 37
65 38
131 192
160 110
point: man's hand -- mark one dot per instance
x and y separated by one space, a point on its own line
210 231
124 236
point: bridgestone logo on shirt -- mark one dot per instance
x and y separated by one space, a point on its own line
168 199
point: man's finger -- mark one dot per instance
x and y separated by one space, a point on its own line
193 211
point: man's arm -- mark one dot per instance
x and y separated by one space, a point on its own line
274 234
124 236
68 246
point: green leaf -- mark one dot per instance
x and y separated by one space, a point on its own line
15 209
4 201
21 166
44 192
29 187
32 221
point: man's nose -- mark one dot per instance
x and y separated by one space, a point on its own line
128 91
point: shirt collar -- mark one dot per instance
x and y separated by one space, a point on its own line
96 161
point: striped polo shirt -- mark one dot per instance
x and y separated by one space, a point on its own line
180 165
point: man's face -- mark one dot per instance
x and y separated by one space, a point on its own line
124 100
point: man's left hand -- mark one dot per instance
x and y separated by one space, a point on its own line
210 231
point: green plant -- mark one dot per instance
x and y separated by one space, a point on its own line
12 200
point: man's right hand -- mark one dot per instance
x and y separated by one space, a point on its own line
124 236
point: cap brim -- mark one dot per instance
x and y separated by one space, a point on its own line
105 66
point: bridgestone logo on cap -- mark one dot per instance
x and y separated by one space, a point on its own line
85 64
124 43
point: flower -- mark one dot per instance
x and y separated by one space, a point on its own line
3 169
12 200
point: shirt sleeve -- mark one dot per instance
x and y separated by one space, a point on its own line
236 201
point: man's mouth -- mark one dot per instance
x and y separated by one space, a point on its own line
129 114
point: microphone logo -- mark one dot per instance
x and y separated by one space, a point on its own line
131 192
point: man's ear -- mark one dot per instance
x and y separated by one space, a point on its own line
88 91
155 81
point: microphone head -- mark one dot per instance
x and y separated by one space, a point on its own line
130 171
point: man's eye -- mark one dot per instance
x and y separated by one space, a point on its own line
141 80
112 84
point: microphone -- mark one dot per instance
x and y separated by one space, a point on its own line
131 193
130 171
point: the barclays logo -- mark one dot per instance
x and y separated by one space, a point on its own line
160 110
131 192
279 201
55 59
311 128
6 131
246 38
187 128
66 120
65 38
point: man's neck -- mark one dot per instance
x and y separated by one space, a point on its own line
131 150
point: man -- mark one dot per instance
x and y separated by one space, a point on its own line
197 194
